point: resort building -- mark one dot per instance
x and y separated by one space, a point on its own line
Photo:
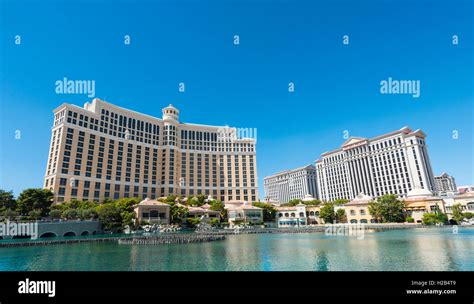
417 202
152 211
312 214
465 199
357 210
393 163
105 151
241 212
421 201
291 216
203 211
291 184
445 184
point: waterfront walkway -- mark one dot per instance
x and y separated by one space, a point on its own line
171 239
168 238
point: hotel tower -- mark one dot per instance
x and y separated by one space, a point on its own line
105 151
393 163
291 184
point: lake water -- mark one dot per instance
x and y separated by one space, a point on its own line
423 249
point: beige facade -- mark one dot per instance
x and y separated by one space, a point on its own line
152 211
203 211
240 212
291 216
312 213
421 201
105 151
417 202
466 200
357 210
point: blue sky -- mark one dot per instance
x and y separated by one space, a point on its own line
336 85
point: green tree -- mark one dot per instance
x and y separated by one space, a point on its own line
434 218
7 201
58 207
126 210
34 214
127 218
55 214
74 204
126 204
458 215
198 200
375 211
388 209
214 222
87 214
192 222
107 200
468 215
177 213
293 202
340 216
269 212
217 205
10 214
410 219
327 213
35 199
85 205
109 216
188 201
312 202
340 201
170 199
70 214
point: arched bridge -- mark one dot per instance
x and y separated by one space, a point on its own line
68 228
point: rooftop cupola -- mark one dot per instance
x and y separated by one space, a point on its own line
170 113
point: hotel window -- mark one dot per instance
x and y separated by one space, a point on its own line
61 191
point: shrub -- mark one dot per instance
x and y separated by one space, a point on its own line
214 222
192 222
34 214
468 215
55 214
269 212
87 214
10 214
434 218
70 214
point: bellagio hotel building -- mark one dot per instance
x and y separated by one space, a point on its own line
104 151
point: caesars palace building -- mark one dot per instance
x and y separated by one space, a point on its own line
393 163
105 151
